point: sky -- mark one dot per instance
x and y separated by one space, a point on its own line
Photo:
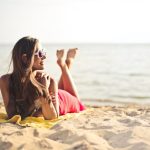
76 21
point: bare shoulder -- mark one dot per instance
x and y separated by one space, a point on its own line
5 77
4 86
4 80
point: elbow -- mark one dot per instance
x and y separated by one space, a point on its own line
51 117
54 117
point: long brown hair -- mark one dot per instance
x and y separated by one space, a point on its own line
23 88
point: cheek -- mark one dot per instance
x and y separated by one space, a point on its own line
35 62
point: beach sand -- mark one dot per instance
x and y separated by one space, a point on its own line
124 127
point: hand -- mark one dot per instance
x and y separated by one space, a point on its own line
43 78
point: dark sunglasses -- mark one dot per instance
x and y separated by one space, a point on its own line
40 53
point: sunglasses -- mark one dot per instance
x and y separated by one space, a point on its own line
40 53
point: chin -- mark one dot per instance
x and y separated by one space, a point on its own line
41 68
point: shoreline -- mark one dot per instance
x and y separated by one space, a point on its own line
107 103
101 127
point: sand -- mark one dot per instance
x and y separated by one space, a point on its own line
124 127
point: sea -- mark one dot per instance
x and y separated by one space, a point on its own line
105 74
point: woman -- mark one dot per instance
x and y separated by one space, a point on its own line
30 91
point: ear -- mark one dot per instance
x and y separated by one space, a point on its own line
24 58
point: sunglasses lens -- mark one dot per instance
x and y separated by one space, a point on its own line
40 54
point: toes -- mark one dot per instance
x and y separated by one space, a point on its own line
72 52
60 53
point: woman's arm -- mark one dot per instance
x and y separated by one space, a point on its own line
53 90
4 89
4 86
48 109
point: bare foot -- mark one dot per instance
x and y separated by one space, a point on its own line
60 58
70 56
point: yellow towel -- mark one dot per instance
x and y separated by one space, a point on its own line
35 121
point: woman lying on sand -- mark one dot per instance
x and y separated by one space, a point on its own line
30 91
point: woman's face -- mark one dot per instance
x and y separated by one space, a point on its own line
39 57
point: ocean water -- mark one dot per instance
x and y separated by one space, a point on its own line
103 73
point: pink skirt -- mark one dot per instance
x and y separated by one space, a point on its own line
69 103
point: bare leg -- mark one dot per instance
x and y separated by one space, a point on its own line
60 83
69 60
60 54
66 78
70 57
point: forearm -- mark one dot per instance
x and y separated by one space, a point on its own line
48 109
56 105
53 90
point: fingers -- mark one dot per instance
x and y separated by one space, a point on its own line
41 75
46 76
43 78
